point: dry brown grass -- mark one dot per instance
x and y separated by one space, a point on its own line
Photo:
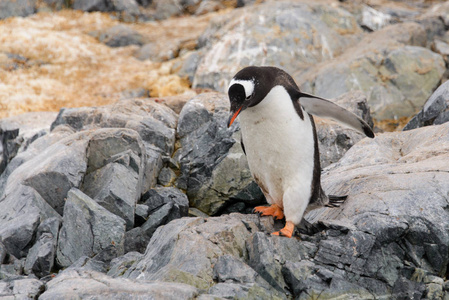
74 69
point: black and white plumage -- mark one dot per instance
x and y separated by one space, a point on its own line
280 141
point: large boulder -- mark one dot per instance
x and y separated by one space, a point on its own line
391 66
286 34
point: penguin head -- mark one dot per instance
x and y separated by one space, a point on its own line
247 88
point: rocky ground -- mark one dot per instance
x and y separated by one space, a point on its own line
136 189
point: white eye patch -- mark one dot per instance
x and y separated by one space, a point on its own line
248 85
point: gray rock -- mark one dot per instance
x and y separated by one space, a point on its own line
87 229
137 239
41 257
190 64
30 126
374 19
120 265
390 66
128 9
168 254
160 196
245 38
435 110
54 171
156 133
116 188
213 166
91 284
166 177
86 264
13 269
8 145
156 52
154 122
23 288
95 5
263 260
17 233
120 36
19 8
227 290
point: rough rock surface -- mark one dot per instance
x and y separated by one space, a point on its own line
208 152
83 284
87 229
390 65
81 211
273 33
435 110
20 8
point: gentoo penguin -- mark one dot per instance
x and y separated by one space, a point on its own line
280 141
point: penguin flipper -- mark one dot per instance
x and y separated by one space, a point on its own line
327 109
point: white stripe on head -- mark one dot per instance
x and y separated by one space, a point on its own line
248 85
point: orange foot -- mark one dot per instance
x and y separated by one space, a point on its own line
287 230
273 210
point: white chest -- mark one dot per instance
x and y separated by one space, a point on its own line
279 145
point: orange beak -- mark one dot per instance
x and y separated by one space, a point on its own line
232 118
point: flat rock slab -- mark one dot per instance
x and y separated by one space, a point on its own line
90 284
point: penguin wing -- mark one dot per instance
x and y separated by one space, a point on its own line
327 109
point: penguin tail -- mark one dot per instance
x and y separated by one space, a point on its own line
336 201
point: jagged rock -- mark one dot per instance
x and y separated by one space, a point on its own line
18 132
164 204
120 265
116 188
23 288
8 145
87 229
41 257
160 196
154 122
20 8
55 171
435 110
289 35
87 284
390 65
213 166
17 233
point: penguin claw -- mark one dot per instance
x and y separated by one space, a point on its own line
273 210
287 231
